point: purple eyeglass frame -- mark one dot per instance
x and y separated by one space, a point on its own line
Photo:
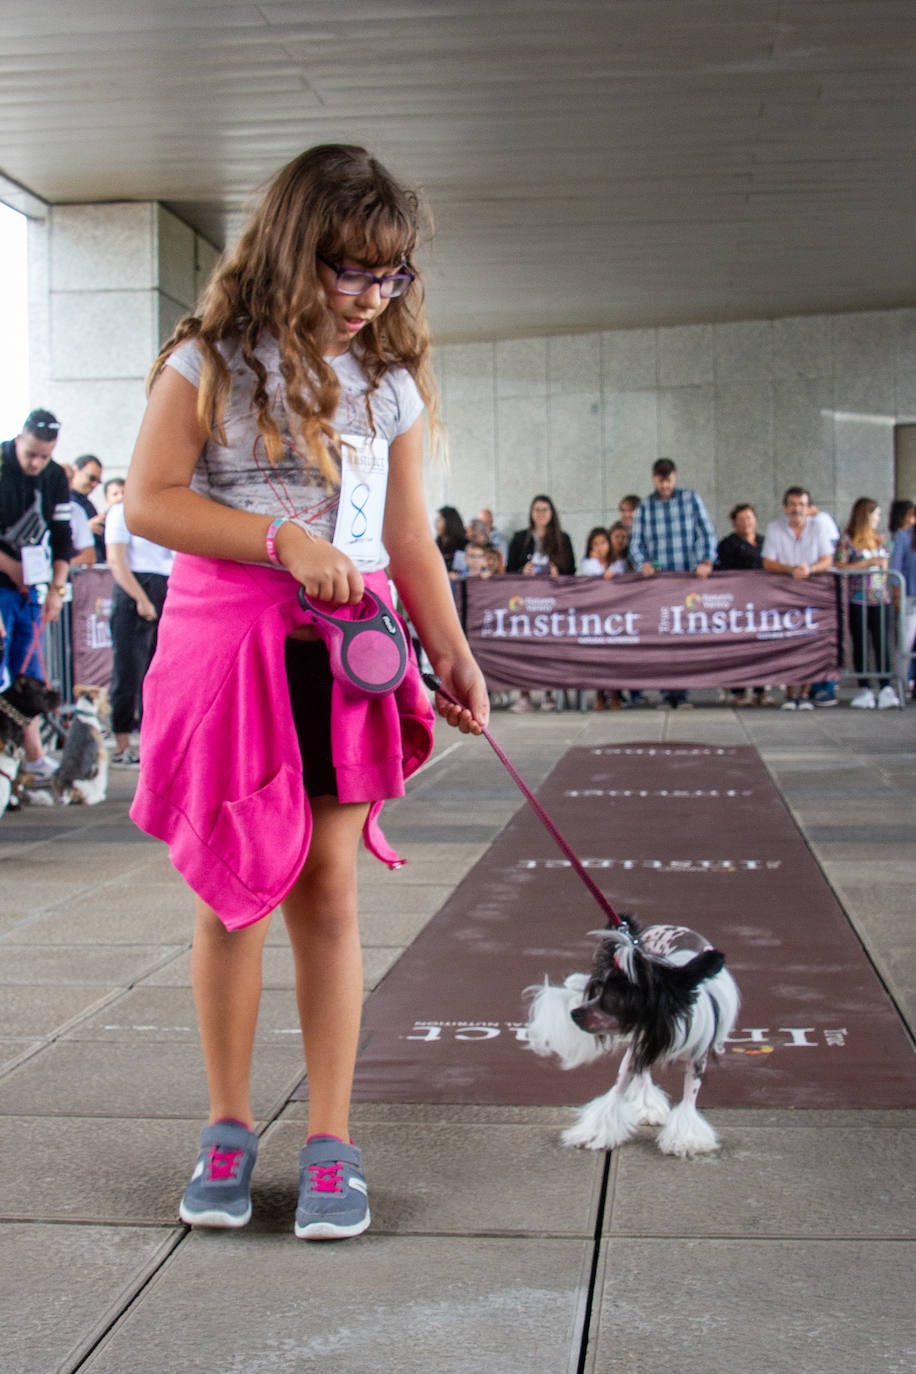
375 281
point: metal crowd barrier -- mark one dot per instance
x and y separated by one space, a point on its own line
77 647
890 661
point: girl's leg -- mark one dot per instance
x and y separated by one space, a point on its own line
226 978
321 917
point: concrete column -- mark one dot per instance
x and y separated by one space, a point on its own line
108 283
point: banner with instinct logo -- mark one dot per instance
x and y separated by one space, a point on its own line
671 630
89 633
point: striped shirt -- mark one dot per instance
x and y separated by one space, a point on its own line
676 534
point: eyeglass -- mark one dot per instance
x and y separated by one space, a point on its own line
351 282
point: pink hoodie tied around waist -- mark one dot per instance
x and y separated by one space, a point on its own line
220 772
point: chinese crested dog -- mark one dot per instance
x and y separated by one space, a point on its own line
665 994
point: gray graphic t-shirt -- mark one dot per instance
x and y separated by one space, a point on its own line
239 474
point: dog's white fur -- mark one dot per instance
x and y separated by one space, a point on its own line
634 1100
10 759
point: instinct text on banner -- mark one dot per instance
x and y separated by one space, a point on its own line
671 630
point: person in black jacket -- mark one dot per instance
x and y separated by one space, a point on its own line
741 551
543 547
35 550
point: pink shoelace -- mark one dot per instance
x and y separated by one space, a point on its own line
223 1163
325 1178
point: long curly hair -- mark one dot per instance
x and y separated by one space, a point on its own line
338 201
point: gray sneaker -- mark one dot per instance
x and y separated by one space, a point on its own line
126 758
219 1191
333 1202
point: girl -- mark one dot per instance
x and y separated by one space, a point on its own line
861 547
597 553
597 563
542 548
282 450
619 560
451 539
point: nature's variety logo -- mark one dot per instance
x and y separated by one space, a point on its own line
530 605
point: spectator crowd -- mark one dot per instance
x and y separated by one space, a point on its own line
57 517
670 530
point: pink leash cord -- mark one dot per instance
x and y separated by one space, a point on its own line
435 685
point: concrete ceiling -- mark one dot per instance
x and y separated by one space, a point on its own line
591 164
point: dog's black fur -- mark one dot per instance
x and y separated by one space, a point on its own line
647 1010
30 697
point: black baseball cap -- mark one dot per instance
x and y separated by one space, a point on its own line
42 424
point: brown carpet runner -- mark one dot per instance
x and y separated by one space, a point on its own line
681 833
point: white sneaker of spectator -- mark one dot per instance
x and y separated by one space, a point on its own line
865 701
43 769
887 698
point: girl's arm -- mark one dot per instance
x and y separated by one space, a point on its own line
159 503
422 582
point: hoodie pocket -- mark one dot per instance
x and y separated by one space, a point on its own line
259 835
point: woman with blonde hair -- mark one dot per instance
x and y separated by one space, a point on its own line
862 548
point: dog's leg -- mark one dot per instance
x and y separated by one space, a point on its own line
649 1102
686 1132
606 1121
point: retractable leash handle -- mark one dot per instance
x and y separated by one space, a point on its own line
435 685
368 653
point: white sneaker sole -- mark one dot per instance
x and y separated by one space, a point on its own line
327 1230
223 1220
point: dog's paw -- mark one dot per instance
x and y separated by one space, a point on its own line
603 1124
686 1133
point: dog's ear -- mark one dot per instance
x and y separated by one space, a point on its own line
702 966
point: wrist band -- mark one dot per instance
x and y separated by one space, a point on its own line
271 539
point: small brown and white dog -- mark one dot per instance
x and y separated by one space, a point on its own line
665 994
83 772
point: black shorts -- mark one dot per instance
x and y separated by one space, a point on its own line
308 672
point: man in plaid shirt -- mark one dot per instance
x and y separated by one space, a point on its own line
672 532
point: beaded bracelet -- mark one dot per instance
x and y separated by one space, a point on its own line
271 539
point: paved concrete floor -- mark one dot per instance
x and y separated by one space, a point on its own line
492 1248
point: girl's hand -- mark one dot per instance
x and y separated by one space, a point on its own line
466 683
325 573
